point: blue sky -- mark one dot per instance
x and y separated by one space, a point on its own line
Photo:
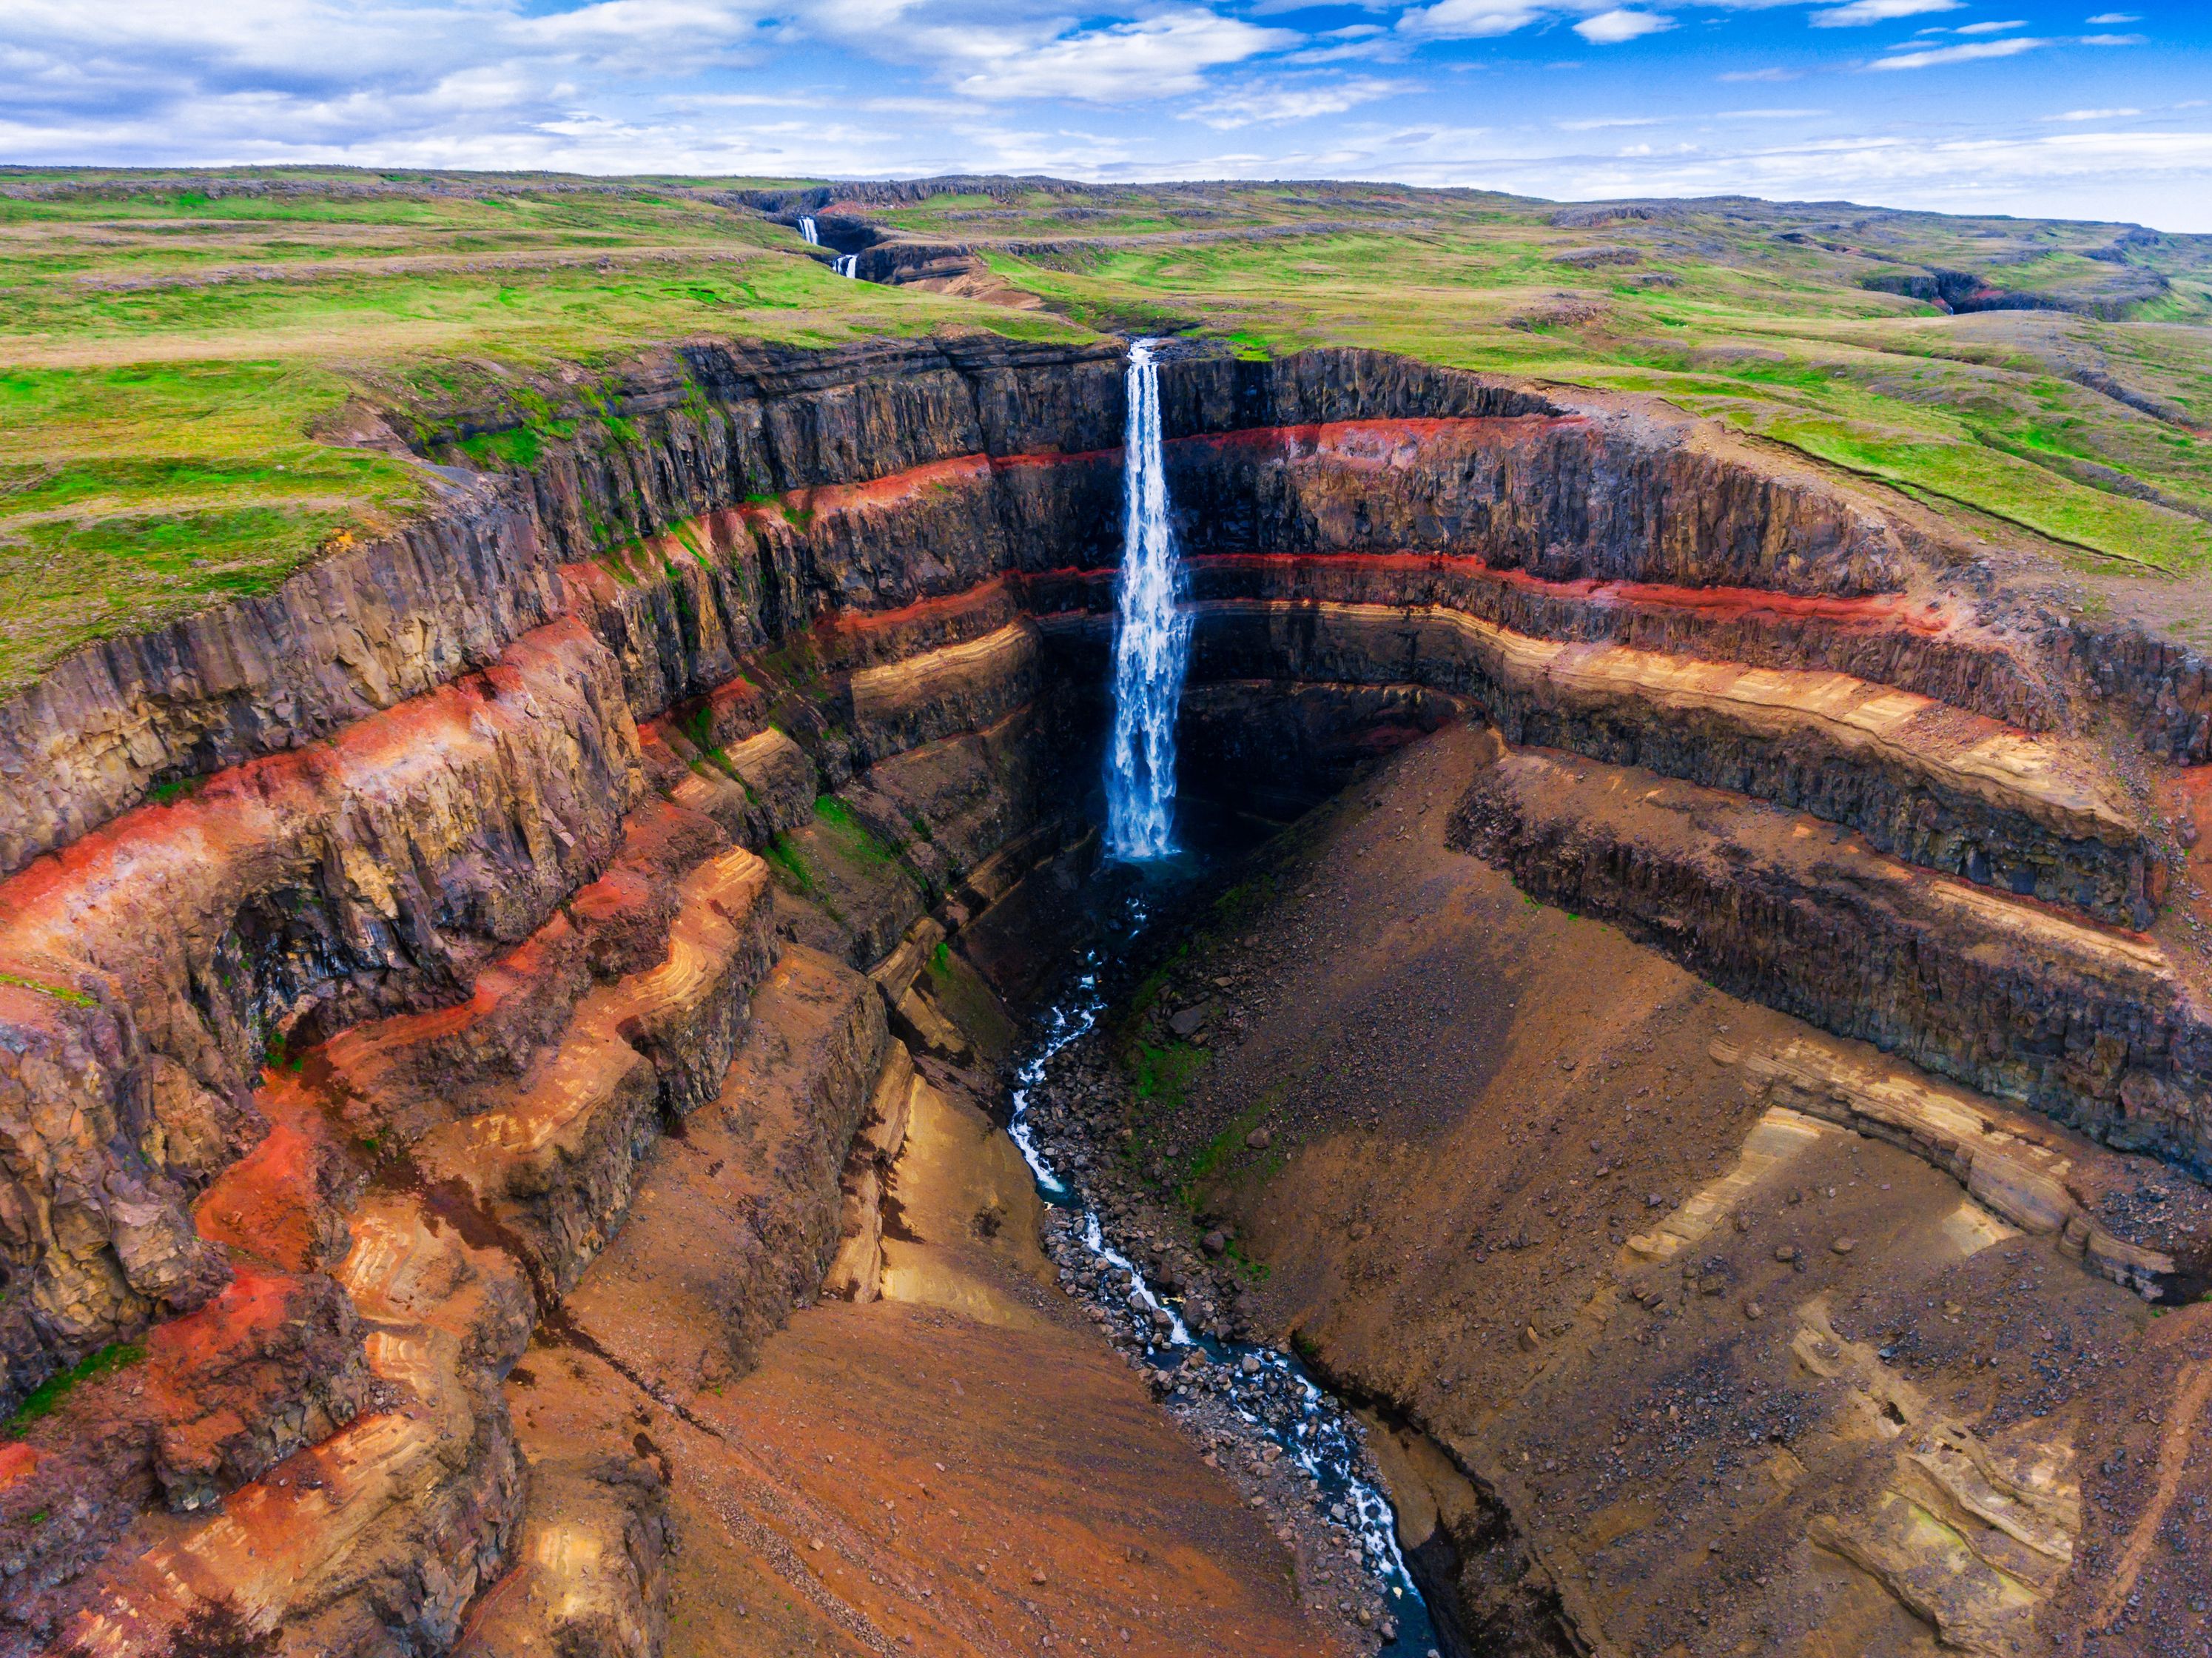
2032 108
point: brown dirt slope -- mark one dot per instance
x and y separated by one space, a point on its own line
950 1463
1687 1340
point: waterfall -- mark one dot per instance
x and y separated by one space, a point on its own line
1151 637
807 229
847 265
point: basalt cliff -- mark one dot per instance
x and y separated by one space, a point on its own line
499 973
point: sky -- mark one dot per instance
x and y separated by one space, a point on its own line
2026 106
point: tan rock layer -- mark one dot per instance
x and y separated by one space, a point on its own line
2031 1173
1930 643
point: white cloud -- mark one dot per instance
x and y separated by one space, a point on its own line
867 89
1993 28
1610 29
2114 17
1977 51
1364 43
1469 20
1158 57
1859 13
1265 103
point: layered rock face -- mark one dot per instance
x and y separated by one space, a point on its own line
360 944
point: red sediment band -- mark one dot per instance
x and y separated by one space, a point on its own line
1352 439
266 1203
241 1320
1881 611
942 607
232 810
1042 458
18 1461
887 491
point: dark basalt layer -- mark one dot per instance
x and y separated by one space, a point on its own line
2088 1026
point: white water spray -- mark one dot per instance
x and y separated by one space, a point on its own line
847 265
807 229
1151 637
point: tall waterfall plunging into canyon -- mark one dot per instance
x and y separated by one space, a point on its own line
807 229
1151 637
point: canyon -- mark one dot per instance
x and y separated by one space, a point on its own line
505 1040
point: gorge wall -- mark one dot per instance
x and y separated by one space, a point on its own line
359 942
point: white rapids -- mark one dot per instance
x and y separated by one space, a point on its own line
1321 1438
1151 637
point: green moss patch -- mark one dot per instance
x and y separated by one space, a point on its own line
46 1398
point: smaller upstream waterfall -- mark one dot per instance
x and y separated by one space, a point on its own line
1151 637
847 265
807 229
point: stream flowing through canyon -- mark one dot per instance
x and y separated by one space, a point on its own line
1261 1396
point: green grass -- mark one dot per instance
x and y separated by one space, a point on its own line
961 992
169 354
851 837
74 998
182 353
1217 1152
48 1396
786 860
1982 412
1163 1073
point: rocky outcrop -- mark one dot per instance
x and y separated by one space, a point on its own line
1691 1328
1929 646
1581 490
2039 817
361 629
364 1051
156 968
2095 1027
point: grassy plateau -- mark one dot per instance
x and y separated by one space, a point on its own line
172 343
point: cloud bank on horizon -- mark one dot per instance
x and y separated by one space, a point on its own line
2030 108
